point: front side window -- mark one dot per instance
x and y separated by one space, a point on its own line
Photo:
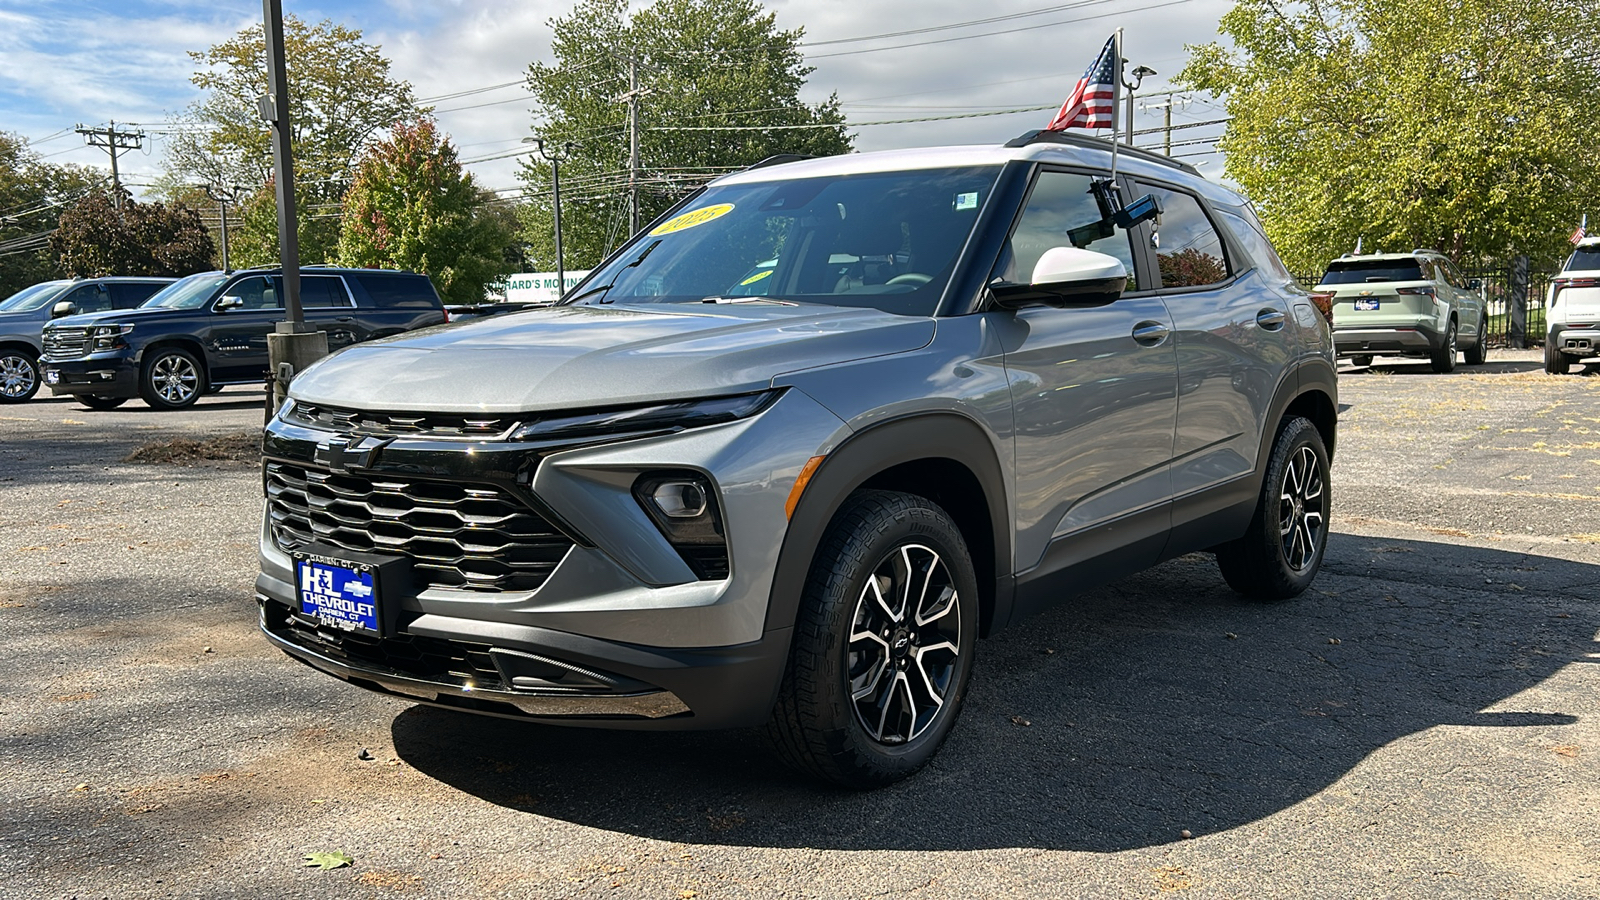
89 298
1059 203
887 241
1188 248
257 292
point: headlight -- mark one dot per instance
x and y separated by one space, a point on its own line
108 337
660 417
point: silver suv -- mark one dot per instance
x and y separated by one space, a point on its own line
1406 304
974 381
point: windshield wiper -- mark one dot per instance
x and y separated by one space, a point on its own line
608 285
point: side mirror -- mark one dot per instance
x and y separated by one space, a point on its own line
63 308
227 303
1066 276
1475 284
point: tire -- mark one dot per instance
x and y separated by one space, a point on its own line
1361 361
19 376
1478 353
1444 359
171 378
1270 562
879 732
95 401
1555 362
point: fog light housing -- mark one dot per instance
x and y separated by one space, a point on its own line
683 506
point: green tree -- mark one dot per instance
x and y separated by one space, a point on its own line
700 63
341 95
412 206
96 238
254 240
1467 127
33 195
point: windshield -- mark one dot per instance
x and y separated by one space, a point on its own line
1584 259
187 293
1373 271
31 298
886 240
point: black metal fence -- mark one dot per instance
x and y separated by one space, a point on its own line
1516 297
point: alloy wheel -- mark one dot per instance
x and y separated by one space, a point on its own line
18 376
174 378
904 645
1301 512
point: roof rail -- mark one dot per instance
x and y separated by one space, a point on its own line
1091 143
779 160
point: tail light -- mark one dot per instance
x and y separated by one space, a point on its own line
1424 291
1324 304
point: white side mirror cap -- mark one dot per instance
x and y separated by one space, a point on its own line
1069 264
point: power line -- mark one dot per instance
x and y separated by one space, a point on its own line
989 21
968 37
979 115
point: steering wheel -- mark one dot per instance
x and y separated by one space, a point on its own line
916 278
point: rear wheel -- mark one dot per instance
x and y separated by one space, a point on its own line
1279 555
171 379
19 376
95 401
1555 362
1444 359
882 646
1478 353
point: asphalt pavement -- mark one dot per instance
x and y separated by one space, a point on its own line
1425 722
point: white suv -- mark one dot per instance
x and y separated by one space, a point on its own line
1573 306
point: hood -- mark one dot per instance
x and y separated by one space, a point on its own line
122 316
584 356
31 319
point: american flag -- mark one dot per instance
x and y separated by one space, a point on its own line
1579 234
1094 99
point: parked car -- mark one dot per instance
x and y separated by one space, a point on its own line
210 330
664 505
1407 304
24 314
1573 310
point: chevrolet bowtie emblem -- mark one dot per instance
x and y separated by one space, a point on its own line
341 454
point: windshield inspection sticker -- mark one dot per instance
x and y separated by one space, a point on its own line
966 201
691 219
755 278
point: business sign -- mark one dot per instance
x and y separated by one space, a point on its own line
539 287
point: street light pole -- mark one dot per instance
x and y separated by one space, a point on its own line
555 156
224 194
1139 75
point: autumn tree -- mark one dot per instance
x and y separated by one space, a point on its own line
33 195
720 87
97 237
341 96
1467 127
412 206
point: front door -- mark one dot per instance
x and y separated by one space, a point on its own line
1093 389
237 334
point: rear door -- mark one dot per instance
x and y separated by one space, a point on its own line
392 302
328 305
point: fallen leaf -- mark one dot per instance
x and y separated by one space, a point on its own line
1567 750
1018 720
322 860
1333 640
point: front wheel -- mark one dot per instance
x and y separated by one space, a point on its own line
19 376
1555 362
171 379
882 646
95 401
1279 555
1444 359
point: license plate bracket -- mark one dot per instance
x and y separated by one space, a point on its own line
354 592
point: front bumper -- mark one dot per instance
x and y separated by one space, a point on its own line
1370 341
104 374
1578 343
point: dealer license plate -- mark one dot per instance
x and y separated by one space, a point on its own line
1364 305
339 596
51 376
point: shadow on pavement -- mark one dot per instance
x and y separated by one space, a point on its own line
1162 703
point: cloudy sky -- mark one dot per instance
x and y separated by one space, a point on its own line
92 61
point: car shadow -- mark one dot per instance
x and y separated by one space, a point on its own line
1161 704
1397 365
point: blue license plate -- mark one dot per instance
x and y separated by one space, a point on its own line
340 596
1364 305
52 376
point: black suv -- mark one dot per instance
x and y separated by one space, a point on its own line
24 314
210 330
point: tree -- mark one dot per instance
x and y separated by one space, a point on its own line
412 206
97 238
1466 127
33 194
340 96
255 241
719 64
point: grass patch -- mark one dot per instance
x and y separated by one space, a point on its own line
243 446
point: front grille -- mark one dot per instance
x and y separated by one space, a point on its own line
464 536
65 343
431 659
445 426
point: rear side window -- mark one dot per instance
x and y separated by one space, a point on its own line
399 291
322 291
1188 248
128 294
1366 271
1583 259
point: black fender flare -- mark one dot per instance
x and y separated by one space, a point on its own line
934 435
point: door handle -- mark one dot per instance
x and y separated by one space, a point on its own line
1150 334
345 319
1270 319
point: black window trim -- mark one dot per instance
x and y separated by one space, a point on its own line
1230 245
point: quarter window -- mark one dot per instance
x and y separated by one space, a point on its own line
1188 249
1060 202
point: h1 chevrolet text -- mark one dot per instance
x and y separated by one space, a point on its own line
786 455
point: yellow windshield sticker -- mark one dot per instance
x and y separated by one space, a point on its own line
691 219
755 278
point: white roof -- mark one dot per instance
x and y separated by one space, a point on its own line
1593 241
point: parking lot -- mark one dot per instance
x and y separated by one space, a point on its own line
1424 723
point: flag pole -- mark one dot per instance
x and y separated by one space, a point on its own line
1116 100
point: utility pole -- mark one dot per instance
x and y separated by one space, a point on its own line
224 194
555 156
632 99
1166 106
118 142
294 344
